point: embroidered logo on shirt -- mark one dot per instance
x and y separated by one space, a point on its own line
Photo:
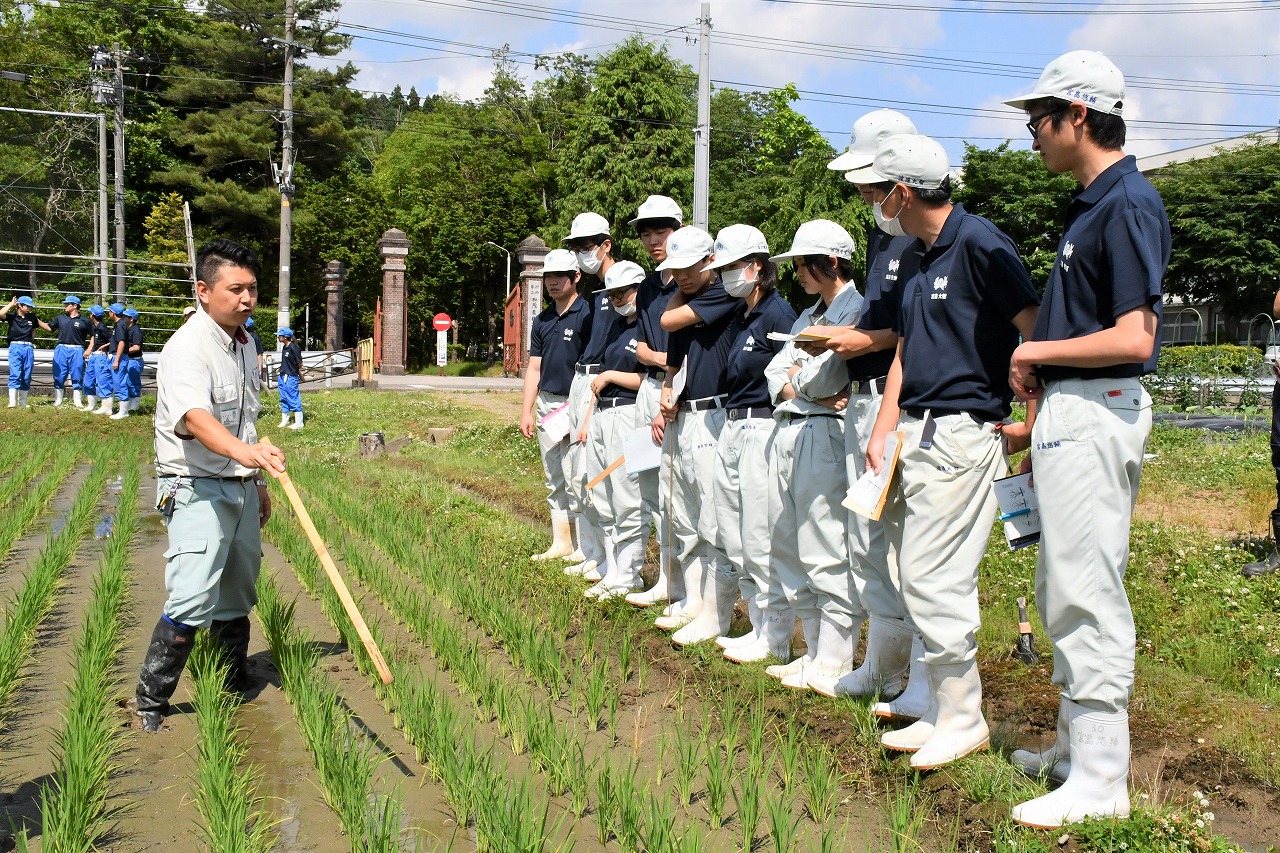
940 287
631 345
1067 251
749 344
892 274
1048 445
568 334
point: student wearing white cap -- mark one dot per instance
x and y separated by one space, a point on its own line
590 242
72 331
742 456
948 396
657 219
555 344
807 479
97 367
698 321
1097 334
21 316
893 647
614 505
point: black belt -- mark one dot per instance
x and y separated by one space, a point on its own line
656 373
246 478
866 386
920 414
587 369
795 416
703 404
750 412
614 402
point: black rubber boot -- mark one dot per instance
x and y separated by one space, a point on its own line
1272 562
166 658
233 637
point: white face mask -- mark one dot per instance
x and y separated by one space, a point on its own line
736 283
892 227
589 262
625 310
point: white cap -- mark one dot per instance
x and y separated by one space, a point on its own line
658 207
622 274
737 242
587 225
819 237
560 260
1081 76
906 158
687 247
188 311
867 134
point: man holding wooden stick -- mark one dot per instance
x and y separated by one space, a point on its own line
210 468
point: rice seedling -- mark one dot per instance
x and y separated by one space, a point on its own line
757 724
787 755
688 753
784 824
658 831
629 824
690 841
607 804
904 812
579 779
821 782
596 693
731 712
624 658
746 796
611 708
719 773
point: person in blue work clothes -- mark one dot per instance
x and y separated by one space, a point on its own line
657 218
258 347
115 313
20 314
948 397
1098 333
126 367
741 485
290 376
210 467
72 331
97 367
555 345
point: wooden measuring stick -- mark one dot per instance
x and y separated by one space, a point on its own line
348 603
599 478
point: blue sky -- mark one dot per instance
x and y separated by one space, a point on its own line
1204 73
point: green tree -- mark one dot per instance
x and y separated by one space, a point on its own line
1016 192
1224 212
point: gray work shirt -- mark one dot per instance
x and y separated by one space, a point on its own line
202 367
819 376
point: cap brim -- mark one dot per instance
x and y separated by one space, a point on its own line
851 160
865 175
1020 102
682 263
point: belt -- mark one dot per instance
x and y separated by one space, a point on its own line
77 346
21 344
703 404
586 369
246 478
656 373
750 412
796 416
614 402
866 386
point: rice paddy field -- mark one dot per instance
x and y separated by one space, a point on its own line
524 717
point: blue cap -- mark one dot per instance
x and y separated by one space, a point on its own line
248 324
131 313
26 300
284 331
116 308
96 310
70 300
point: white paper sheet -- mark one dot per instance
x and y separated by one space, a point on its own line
678 381
640 451
1019 510
866 495
557 423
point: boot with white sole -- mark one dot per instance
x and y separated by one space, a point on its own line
834 657
13 398
122 411
57 397
284 420
959 728
884 667
669 586
683 612
105 408
561 537
77 399
628 559
809 627
23 399
608 572
719 592
90 402
914 701
1055 762
753 636
1098 783
297 421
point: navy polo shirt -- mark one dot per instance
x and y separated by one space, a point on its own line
101 336
706 343
118 335
891 263
557 339
1111 260
134 340
291 360
21 328
752 350
620 354
956 320
602 317
651 300
70 330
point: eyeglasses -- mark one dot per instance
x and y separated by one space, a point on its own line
1034 125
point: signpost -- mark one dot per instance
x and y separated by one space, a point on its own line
442 323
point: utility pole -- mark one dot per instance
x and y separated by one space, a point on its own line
284 176
103 274
118 250
702 134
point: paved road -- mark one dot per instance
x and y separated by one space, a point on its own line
424 382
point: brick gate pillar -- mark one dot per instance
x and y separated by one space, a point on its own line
394 246
530 253
335 275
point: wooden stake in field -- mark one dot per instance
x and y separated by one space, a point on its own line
348 603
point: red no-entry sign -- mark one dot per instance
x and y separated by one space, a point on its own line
441 322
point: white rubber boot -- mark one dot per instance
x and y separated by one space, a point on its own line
57 396
629 559
284 420
959 728
912 703
90 402
608 572
773 638
719 592
77 399
23 399
834 658
579 554
1057 758
915 735
666 588
809 626
1098 785
884 666
13 398
683 612
297 421
561 537
752 637
123 411
105 408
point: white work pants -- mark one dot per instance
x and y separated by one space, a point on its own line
615 502
693 512
555 457
875 567
742 502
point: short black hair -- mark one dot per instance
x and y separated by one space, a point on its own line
656 225
221 252
824 268
768 278
596 240
1107 131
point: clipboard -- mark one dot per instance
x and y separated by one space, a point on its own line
557 423
867 494
801 337
1019 510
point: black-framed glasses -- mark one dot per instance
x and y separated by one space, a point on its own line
1034 124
